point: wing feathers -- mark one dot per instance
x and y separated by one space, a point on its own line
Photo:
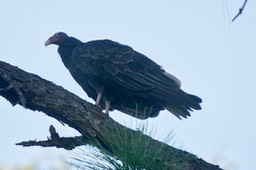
120 67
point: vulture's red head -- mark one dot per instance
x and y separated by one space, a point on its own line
56 39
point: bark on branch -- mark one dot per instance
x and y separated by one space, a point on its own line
97 129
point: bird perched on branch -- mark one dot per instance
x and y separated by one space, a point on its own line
118 77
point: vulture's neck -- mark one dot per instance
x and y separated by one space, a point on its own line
66 48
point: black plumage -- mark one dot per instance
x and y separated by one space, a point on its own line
118 77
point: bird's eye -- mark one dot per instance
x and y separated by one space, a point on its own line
57 35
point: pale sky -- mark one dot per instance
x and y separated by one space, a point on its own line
194 40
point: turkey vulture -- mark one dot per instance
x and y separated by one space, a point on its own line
118 77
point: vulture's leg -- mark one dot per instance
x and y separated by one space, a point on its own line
97 103
107 106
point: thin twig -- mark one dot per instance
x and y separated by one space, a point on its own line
240 11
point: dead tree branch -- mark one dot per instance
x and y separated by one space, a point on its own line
55 140
97 129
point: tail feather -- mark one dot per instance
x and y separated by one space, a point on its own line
196 102
178 111
181 109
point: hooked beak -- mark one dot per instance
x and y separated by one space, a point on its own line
48 42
